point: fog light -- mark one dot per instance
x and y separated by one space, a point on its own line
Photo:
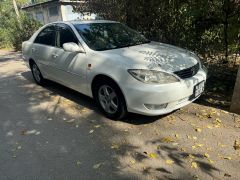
155 106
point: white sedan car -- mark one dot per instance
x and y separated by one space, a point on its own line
115 65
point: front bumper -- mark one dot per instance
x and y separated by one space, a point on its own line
175 95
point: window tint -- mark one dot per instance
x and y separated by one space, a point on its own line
46 36
65 35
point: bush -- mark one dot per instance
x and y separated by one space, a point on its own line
14 32
4 41
19 31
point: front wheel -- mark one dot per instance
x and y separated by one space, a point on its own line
110 99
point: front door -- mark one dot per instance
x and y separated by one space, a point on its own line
69 68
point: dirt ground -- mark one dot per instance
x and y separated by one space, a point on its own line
53 132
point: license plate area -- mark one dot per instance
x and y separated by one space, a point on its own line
198 89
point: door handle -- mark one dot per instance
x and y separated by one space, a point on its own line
34 50
54 55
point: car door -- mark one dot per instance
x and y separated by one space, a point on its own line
43 48
69 67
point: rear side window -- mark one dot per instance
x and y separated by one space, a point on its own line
46 36
65 35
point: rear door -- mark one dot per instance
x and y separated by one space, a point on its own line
43 49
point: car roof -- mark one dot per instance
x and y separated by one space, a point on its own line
82 22
91 21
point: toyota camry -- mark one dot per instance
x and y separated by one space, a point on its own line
117 66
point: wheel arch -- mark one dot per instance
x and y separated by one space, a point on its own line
100 77
30 62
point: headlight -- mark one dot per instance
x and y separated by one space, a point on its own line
152 76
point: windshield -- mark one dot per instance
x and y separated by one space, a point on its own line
105 36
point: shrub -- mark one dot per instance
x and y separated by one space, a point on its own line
22 30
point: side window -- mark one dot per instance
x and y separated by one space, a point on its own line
53 11
40 17
65 35
46 36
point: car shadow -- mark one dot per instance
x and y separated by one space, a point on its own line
87 102
58 89
138 119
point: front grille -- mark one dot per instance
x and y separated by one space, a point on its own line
187 73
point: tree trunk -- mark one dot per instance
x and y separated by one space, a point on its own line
129 13
235 104
16 9
17 12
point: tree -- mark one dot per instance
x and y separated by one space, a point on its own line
15 26
16 11
206 26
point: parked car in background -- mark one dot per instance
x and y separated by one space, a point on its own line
118 67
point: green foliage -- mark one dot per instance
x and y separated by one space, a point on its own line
13 30
205 26
19 32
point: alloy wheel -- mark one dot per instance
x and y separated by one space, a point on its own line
108 99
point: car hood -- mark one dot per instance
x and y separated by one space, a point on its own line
154 55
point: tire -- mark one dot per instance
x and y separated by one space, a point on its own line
110 99
36 73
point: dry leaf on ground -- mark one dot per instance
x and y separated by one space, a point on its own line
228 158
209 127
227 175
91 131
198 130
237 145
194 137
133 161
206 155
210 161
96 166
153 155
191 156
30 132
169 161
115 146
194 165
167 139
70 121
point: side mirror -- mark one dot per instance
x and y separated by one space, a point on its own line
72 47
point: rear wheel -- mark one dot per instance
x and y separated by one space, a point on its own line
110 99
37 74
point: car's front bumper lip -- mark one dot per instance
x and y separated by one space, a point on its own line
175 95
